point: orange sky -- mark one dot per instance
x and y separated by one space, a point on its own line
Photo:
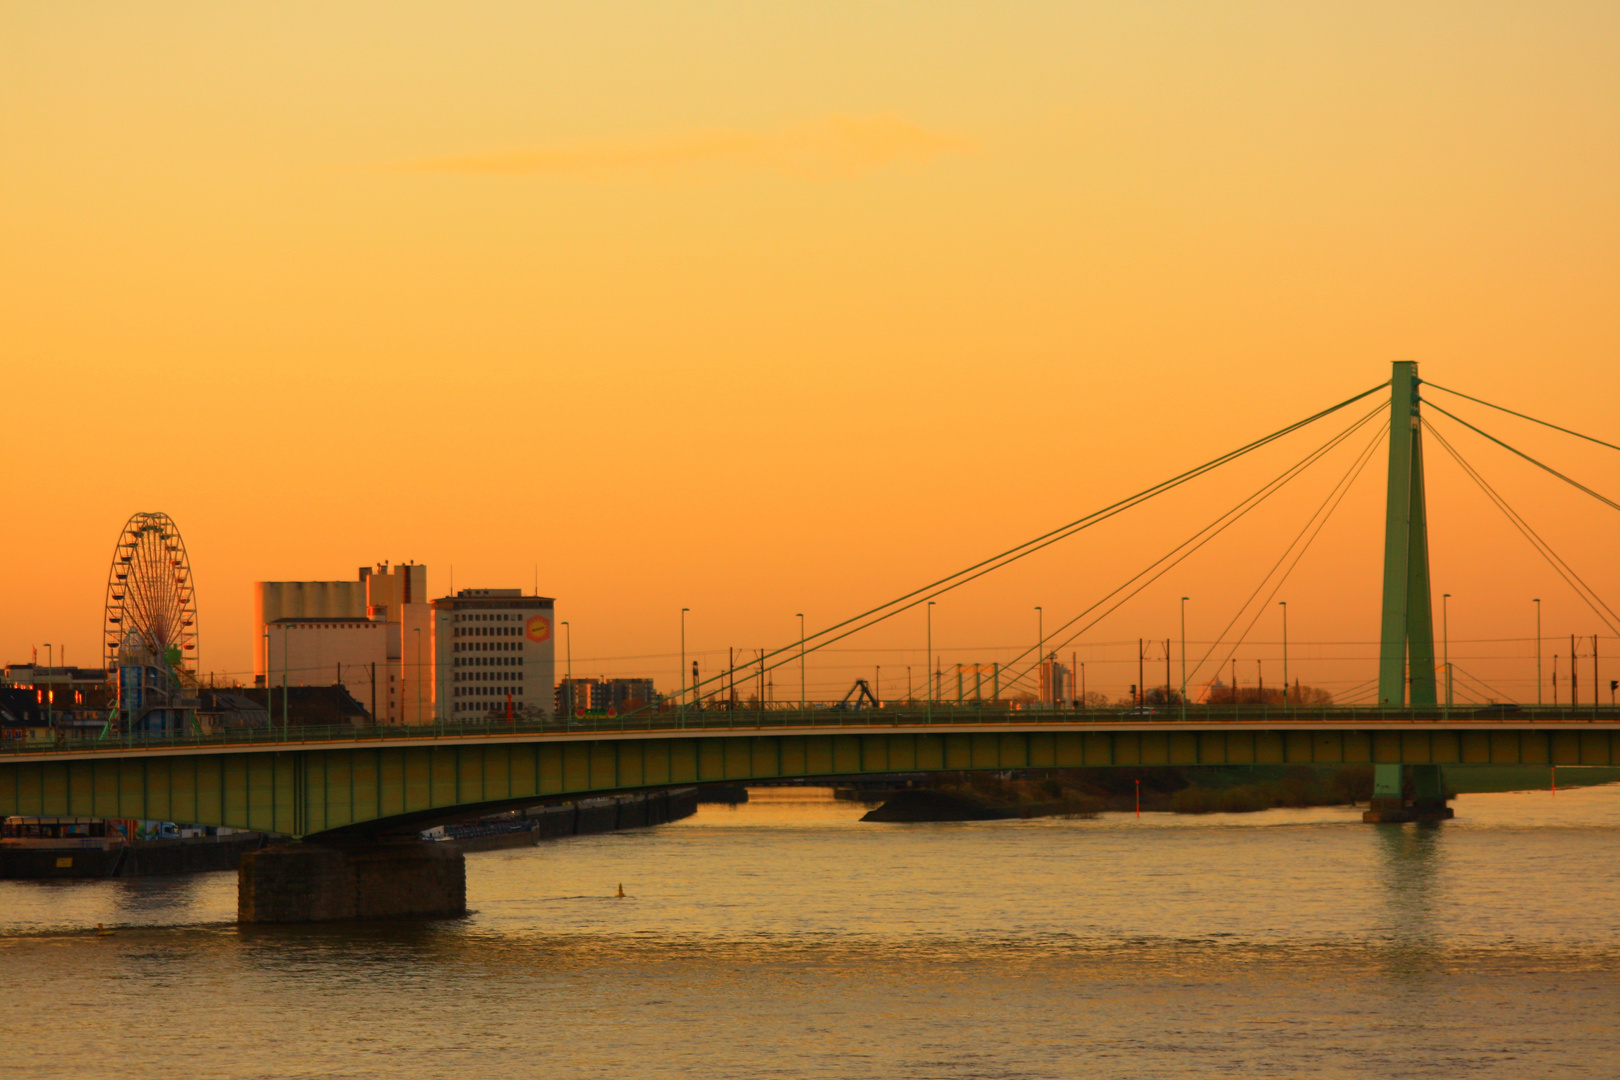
758 309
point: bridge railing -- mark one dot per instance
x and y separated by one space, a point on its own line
720 718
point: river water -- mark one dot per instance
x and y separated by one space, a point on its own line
783 938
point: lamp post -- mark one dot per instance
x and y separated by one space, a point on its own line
1445 644
1537 602
1184 657
286 714
801 660
568 666
1284 605
50 720
1040 651
269 701
683 660
930 658
417 632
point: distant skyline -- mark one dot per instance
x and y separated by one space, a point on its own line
761 310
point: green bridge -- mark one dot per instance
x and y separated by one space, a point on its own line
368 782
354 791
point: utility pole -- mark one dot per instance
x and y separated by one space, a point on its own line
930 659
1574 675
374 691
683 660
1284 605
801 662
1168 688
1141 674
50 694
1596 684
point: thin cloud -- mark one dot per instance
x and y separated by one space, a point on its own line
833 147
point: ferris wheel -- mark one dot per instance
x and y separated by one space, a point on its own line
151 604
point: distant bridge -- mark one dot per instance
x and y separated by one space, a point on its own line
379 780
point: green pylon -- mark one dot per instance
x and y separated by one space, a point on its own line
1407 632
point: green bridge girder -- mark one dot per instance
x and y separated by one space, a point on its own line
387 784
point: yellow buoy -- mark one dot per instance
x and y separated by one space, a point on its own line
621 891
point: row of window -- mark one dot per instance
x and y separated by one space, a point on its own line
489 646
489 661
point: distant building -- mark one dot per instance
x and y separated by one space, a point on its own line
347 652
317 624
1056 682
493 649
605 695
72 697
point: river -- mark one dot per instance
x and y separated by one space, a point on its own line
783 938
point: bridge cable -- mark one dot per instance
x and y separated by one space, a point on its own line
1574 483
1520 415
1544 549
1198 539
1319 519
1013 554
1475 679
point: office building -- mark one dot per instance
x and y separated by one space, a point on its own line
493 655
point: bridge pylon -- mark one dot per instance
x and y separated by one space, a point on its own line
1406 638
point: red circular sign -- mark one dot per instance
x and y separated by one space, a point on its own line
539 629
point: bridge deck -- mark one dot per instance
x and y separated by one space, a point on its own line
339 780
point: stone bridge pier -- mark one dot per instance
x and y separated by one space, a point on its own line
324 881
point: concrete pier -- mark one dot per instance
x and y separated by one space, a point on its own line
301 882
1407 793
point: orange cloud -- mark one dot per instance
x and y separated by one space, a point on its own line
832 147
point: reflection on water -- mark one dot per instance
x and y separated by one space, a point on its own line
784 937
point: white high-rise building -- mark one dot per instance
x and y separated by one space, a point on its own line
493 655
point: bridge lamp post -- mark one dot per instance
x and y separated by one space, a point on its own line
930 659
801 660
1184 657
568 665
1040 650
417 631
50 662
1284 605
1537 602
1445 645
683 665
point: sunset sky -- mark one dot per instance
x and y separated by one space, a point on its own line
765 308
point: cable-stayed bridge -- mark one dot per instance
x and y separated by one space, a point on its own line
351 784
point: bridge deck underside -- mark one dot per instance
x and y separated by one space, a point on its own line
312 789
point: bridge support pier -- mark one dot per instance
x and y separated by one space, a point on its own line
301 882
1390 804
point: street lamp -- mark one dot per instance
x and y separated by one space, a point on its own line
683 658
417 630
50 662
1184 657
1537 602
1445 644
930 658
1040 651
568 668
1284 605
801 660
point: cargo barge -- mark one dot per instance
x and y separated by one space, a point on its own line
36 848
